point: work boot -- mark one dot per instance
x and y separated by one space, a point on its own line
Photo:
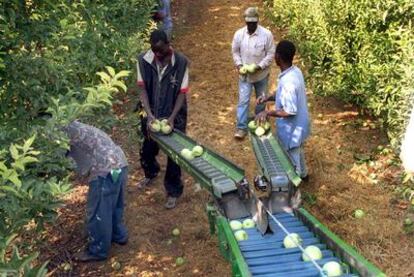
142 184
85 257
240 134
171 202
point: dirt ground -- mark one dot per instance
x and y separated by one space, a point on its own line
338 185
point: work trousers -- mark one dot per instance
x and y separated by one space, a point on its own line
105 209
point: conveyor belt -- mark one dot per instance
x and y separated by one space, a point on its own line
266 255
211 169
273 162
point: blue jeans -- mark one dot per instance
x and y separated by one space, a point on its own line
298 159
105 209
245 91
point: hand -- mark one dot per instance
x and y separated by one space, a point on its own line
261 117
237 68
261 99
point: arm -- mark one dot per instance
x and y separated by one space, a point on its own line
270 52
288 102
264 99
178 105
235 50
143 96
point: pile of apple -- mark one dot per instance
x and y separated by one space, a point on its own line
238 227
331 269
259 128
188 154
248 68
160 126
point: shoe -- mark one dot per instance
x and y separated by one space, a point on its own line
85 257
305 178
240 134
171 202
142 184
121 242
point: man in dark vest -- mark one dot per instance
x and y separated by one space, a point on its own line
163 84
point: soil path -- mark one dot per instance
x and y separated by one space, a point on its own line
204 33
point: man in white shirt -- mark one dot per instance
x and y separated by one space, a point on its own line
252 45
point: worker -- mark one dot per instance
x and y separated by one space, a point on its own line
407 147
252 45
163 17
291 109
104 164
163 85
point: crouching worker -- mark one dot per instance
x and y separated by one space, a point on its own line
104 163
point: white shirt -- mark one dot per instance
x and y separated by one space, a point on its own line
257 48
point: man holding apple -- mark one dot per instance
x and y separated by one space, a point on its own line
163 85
291 109
253 49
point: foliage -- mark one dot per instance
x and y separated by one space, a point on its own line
361 51
50 52
15 265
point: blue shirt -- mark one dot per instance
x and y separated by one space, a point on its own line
291 97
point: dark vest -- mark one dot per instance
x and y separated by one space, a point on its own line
163 95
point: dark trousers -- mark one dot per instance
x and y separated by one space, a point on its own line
105 209
148 153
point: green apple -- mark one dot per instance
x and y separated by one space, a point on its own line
408 222
179 261
266 126
155 125
176 232
243 70
358 213
241 235
197 151
260 131
251 68
116 265
292 240
67 267
166 129
236 225
248 223
164 121
187 154
332 269
312 252
252 125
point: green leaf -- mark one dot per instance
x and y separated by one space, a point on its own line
111 71
14 152
28 143
408 176
122 73
104 77
120 85
14 178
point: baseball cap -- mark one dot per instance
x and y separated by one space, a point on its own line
251 14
